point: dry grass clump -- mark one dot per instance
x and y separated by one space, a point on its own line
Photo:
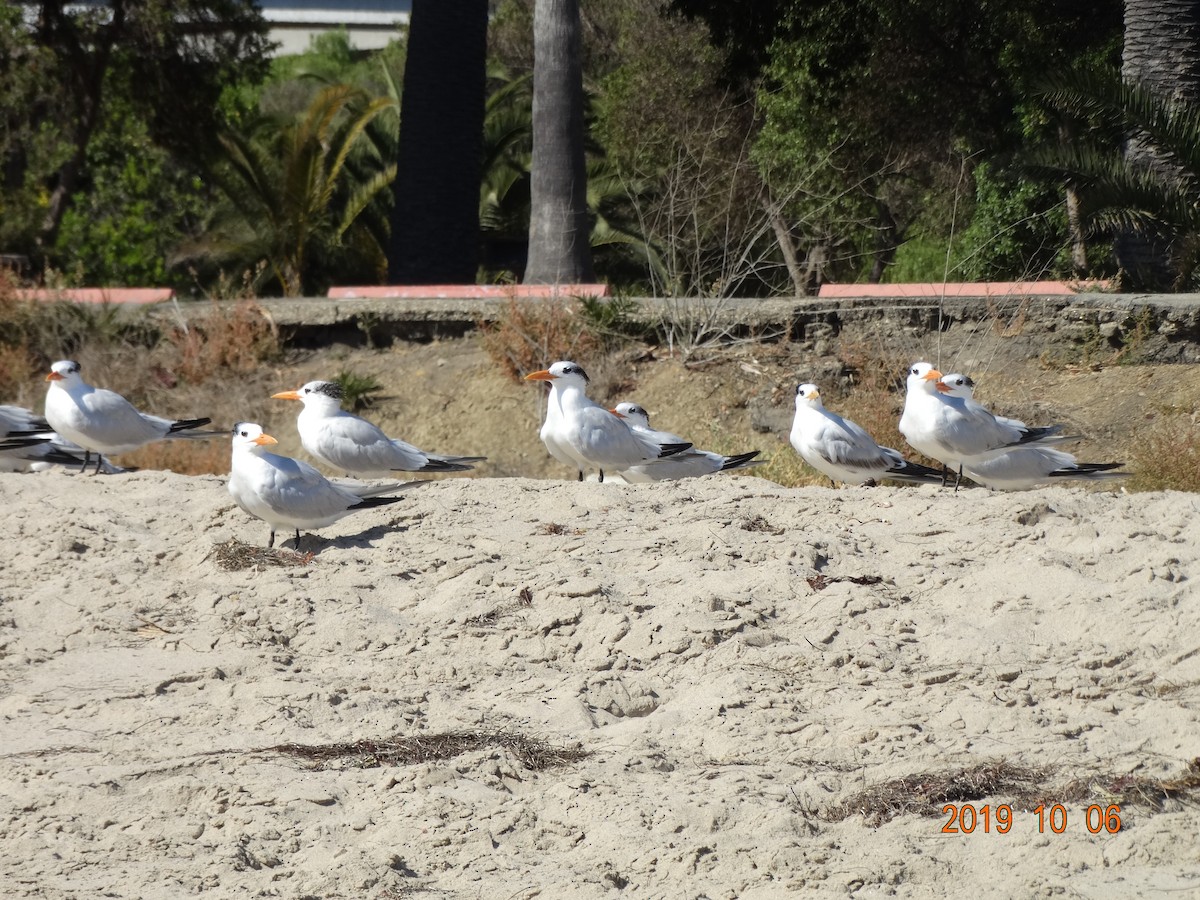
229 340
1167 455
405 750
531 334
234 556
492 616
209 457
926 793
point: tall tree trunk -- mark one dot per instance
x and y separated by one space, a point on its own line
1079 260
435 222
559 231
87 59
1162 53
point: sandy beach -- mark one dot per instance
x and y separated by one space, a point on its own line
732 660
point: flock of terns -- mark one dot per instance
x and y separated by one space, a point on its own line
941 419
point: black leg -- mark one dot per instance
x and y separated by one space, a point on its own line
271 542
958 480
580 475
297 540
602 476
99 461
87 456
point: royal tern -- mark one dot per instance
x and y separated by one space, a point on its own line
1025 467
24 436
290 494
953 429
583 434
29 444
346 442
690 463
101 421
843 451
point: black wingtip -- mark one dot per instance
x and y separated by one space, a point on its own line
451 464
22 443
187 424
372 502
736 462
1033 435
1085 469
672 449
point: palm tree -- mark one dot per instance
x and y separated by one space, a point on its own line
1146 200
559 248
1161 54
299 201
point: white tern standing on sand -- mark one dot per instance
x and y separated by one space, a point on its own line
843 451
102 421
1022 468
581 433
954 430
351 444
690 463
290 494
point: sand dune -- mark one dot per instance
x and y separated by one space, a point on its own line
735 658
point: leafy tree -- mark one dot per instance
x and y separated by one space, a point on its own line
293 212
175 57
873 106
1150 205
134 206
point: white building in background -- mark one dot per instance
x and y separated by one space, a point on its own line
371 24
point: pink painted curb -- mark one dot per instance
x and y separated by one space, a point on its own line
97 295
961 289
466 291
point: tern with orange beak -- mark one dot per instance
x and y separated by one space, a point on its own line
102 421
28 444
841 450
691 463
350 444
290 494
583 434
953 430
1022 468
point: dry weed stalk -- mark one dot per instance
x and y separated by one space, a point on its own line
234 556
531 334
404 750
230 339
1167 455
927 793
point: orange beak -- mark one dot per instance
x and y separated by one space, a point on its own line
933 375
617 414
286 395
54 376
265 440
543 375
